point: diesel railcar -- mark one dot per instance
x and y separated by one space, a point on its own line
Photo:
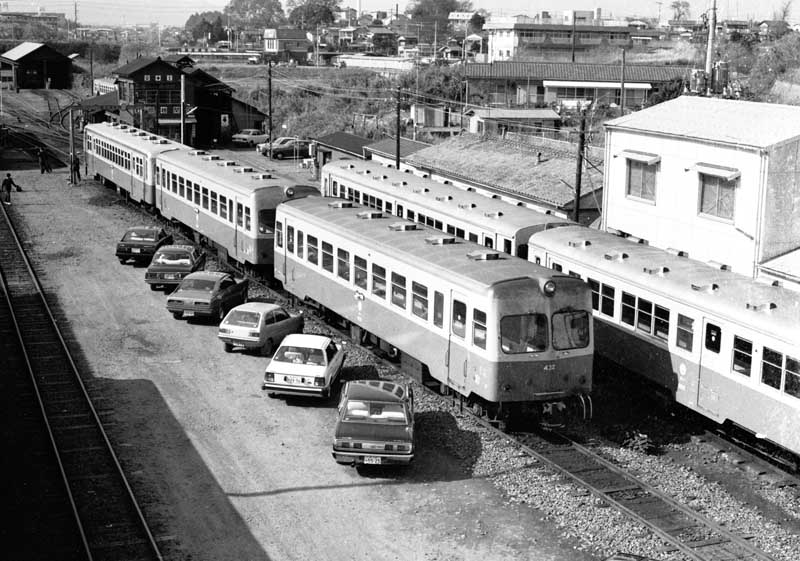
715 341
504 333
466 214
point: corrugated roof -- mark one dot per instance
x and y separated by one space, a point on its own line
131 67
388 147
21 50
547 114
744 123
573 71
110 98
346 142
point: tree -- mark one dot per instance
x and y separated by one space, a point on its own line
477 22
432 14
308 14
680 9
200 25
255 13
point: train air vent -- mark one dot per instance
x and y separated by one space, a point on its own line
404 226
483 255
261 176
424 176
211 158
400 183
711 287
443 198
142 133
162 141
766 307
495 196
720 266
341 204
777 283
408 170
467 205
421 190
115 125
656 270
123 127
244 170
447 182
616 256
548 212
440 240
497 214
580 243
471 189
677 252
370 215
226 163
197 152
367 172
520 203
151 137
350 166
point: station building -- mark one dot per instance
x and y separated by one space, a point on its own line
35 66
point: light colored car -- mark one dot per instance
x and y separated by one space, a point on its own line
258 326
305 365
263 147
249 137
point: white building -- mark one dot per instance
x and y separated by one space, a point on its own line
717 179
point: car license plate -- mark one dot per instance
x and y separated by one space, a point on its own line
135 250
169 276
188 313
293 379
372 460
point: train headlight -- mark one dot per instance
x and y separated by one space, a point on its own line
289 192
549 288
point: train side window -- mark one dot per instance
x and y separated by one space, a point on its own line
574 274
479 328
595 286
644 316
230 211
389 208
300 241
205 198
357 196
628 308
343 264
379 203
473 237
538 260
459 318
360 265
247 222
196 194
507 247
419 300
180 184
460 233
421 218
378 281
451 229
327 257
662 323
399 211
557 267
266 217
214 202
438 309
399 290
278 234
290 239
438 225
239 214
742 355
684 334
334 188
713 338
771 368
792 383
410 215
312 250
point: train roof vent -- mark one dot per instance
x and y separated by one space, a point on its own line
495 214
616 256
408 170
483 255
404 226
350 166
366 172
661 271
211 157
123 127
226 163
580 243
447 182
777 283
471 189
424 176
765 307
421 190
114 125
378 177
162 141
443 198
244 170
710 287
261 176
467 205
340 204
370 214
520 203
400 183
142 133
720 266
440 240
677 252
495 196
197 152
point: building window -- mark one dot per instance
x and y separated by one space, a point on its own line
158 77
170 77
717 196
641 180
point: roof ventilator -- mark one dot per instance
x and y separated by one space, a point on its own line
400 184
660 271
404 226
260 176
496 214
443 198
616 256
244 170
370 215
467 205
767 307
580 243
720 266
440 240
340 204
162 141
211 158
711 287
197 152
483 255
421 190
677 252
226 163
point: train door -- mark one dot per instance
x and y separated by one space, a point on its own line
457 352
712 362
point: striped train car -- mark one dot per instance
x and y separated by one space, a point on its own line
504 333
464 213
717 342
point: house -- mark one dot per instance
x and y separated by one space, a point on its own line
529 84
341 145
286 44
539 122
35 65
714 178
459 21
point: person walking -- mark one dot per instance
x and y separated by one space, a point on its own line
75 176
42 160
6 186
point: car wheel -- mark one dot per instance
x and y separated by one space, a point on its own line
228 347
267 349
122 260
271 395
221 313
177 315
278 156
153 287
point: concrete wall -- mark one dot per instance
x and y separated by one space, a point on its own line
781 228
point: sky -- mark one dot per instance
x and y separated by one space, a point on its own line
176 12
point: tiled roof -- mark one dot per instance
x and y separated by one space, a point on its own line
21 50
744 123
346 142
388 147
136 65
501 113
110 98
573 71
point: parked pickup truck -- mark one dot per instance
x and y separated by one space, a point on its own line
207 294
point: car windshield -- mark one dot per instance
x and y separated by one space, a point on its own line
197 284
140 236
172 258
250 132
374 411
300 355
243 318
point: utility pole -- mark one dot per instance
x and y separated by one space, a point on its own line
622 85
579 167
75 6
91 66
712 25
435 39
573 36
397 141
269 106
183 109
71 147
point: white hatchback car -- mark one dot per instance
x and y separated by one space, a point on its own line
258 326
306 365
249 137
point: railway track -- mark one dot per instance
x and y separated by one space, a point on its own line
87 482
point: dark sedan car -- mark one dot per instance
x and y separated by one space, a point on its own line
141 242
375 424
207 294
293 149
171 263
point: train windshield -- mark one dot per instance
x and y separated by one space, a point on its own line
524 333
570 330
266 221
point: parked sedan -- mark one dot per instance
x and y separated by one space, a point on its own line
375 424
172 263
141 242
207 294
263 147
249 137
305 365
293 149
258 326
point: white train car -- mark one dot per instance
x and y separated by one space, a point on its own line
502 332
492 222
125 156
717 342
